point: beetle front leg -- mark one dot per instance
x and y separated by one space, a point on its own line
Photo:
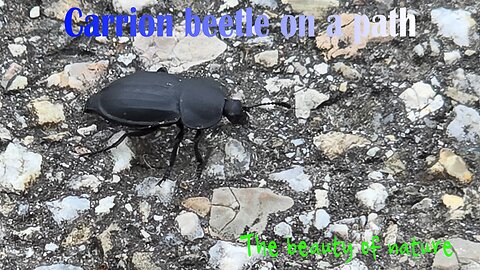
173 156
198 155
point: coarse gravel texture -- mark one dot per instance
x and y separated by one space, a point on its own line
367 144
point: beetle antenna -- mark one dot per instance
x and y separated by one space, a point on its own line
279 103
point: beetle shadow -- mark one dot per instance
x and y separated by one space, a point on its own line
154 149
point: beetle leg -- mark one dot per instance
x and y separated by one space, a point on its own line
173 156
198 155
135 133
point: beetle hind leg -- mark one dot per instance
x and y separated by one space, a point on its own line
134 133
173 155
106 148
198 155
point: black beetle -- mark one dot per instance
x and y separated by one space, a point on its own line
147 101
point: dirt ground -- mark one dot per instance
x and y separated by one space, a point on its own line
383 139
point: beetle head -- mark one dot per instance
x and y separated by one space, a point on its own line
235 113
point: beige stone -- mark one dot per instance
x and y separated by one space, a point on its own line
453 202
47 112
331 45
453 165
200 205
80 76
335 143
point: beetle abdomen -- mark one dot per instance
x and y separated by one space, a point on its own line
140 99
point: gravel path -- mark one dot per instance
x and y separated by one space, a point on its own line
383 140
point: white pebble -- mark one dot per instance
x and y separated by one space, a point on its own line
321 69
105 204
451 57
283 229
189 225
17 49
51 247
35 12
129 207
419 50
373 197
322 219
373 151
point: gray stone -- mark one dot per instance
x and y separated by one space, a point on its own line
13 70
455 24
340 230
466 124
295 177
467 251
442 262
189 226
276 84
84 181
355 264
68 208
321 69
419 50
177 53
267 58
233 209
321 198
424 204
149 187
85 131
5 134
228 4
237 158
216 165
307 100
60 266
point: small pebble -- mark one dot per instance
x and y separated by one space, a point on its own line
35 12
